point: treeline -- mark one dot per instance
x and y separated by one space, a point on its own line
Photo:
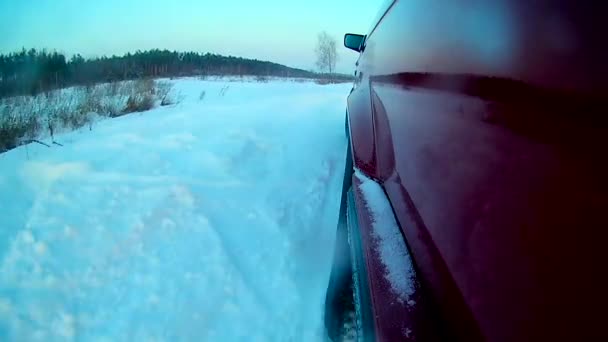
29 72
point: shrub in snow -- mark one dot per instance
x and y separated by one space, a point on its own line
323 81
144 93
13 129
138 103
163 92
24 118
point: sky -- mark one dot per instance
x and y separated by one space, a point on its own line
276 30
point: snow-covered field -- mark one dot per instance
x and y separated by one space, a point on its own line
210 220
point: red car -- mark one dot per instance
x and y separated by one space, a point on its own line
475 198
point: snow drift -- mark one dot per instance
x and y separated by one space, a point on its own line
212 219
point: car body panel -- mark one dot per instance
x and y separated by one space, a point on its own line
509 215
393 317
555 43
361 129
488 138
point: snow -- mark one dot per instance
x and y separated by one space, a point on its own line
213 219
399 270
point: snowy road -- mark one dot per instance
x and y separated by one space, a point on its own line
210 220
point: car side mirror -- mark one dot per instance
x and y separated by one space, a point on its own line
354 41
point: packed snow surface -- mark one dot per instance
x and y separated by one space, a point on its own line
210 220
399 270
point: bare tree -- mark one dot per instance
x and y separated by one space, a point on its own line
326 52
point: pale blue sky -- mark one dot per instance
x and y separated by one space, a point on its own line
280 31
